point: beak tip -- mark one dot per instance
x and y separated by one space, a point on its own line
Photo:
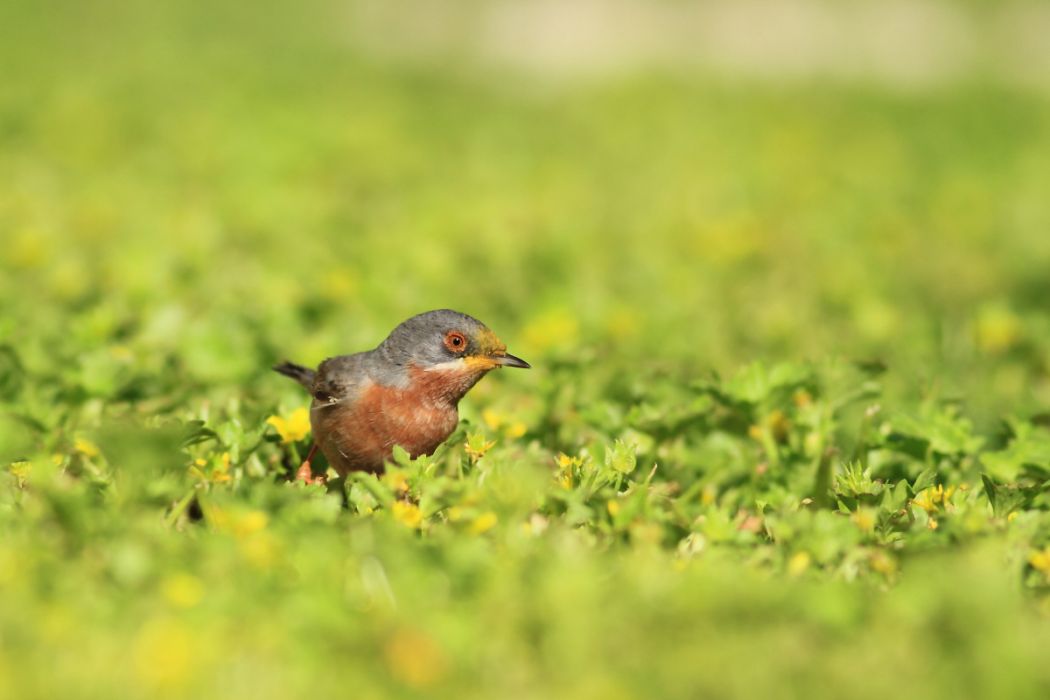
509 360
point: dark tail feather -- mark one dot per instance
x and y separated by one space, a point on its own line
299 373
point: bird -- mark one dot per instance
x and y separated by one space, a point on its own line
404 392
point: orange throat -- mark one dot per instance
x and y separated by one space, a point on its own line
448 384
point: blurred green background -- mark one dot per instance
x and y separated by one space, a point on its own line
642 199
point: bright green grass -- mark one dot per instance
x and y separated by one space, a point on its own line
707 486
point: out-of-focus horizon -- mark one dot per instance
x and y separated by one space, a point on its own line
902 44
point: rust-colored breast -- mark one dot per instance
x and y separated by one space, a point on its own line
359 434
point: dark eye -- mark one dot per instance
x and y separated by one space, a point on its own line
455 341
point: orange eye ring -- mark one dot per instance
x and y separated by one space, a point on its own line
455 341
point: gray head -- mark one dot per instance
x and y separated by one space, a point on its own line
446 339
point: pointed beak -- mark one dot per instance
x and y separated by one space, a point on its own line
511 361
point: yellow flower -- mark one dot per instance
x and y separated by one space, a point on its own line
997 329
492 419
552 329
483 523
250 522
476 446
864 519
240 523
932 498
566 466
613 507
261 550
515 430
293 428
623 323
773 426
183 590
1041 560
20 470
798 563
778 424
396 480
407 514
339 283
414 659
163 654
883 563
85 447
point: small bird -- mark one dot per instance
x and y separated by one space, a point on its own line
404 392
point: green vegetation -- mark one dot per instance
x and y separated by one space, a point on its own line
786 432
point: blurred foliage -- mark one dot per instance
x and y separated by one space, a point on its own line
786 426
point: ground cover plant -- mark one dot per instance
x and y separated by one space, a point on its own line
787 428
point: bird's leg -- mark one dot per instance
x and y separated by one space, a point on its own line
305 472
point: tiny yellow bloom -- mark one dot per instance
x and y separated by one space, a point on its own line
551 329
778 424
261 550
414 659
997 329
250 522
183 590
339 283
882 563
613 507
407 514
929 498
293 428
864 519
566 465
932 523
1041 560
221 472
20 469
483 523
121 352
476 446
396 481
623 323
85 447
798 563
492 419
237 523
163 653
515 430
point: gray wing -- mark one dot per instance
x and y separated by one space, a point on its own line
338 378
